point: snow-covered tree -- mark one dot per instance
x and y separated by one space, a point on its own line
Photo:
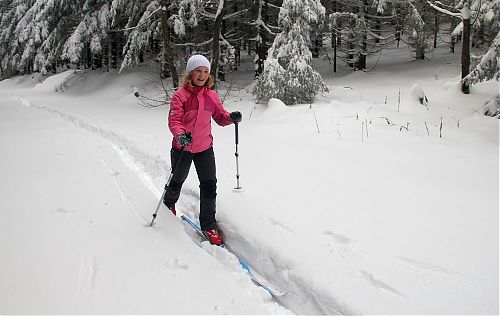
484 12
418 27
485 21
183 26
489 66
288 74
265 33
364 27
86 41
31 30
41 28
219 16
138 38
12 14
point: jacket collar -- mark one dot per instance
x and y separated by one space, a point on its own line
196 90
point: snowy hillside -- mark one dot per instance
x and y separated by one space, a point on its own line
364 202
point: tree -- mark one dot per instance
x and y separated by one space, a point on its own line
169 27
265 32
364 28
489 66
464 15
219 16
167 45
85 43
288 74
485 22
143 24
12 13
35 27
418 27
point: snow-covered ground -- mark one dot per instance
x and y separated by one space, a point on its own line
364 202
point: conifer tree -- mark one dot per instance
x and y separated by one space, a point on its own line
418 28
484 12
489 66
138 38
362 24
288 74
12 14
85 43
37 23
265 33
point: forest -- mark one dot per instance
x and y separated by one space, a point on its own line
282 35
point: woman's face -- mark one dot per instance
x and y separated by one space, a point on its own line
199 76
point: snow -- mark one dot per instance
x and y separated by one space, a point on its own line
364 202
465 12
220 7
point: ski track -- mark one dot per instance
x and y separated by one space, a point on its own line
337 237
87 276
282 227
302 298
379 284
153 166
427 267
123 194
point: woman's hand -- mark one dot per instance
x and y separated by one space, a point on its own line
236 117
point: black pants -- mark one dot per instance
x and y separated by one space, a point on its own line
204 163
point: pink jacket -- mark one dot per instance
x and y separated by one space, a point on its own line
191 110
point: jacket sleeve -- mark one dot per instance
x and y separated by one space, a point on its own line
220 115
176 115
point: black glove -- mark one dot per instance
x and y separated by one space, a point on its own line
235 117
185 139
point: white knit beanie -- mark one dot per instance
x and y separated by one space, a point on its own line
197 61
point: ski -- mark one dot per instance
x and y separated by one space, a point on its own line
258 279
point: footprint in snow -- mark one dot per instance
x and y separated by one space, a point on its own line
337 237
62 210
176 264
282 227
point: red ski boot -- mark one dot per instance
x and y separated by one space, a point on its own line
173 210
213 236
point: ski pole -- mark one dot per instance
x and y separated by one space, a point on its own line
166 185
237 155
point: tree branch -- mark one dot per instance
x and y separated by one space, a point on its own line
443 10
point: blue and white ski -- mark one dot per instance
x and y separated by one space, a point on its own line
258 279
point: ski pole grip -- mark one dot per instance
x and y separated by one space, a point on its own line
236 132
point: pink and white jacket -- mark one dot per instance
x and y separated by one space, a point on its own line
191 110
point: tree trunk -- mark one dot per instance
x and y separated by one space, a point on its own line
108 60
167 45
334 40
334 45
453 24
466 54
316 47
378 28
260 49
216 39
436 29
362 56
114 50
88 56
